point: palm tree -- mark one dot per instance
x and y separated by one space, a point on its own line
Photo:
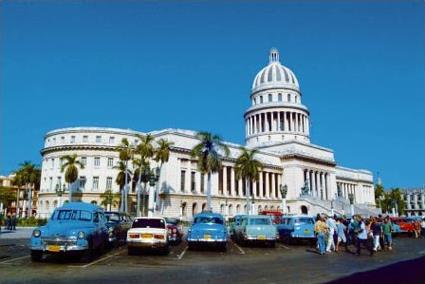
125 154
209 152
162 154
18 180
109 198
70 166
146 151
248 168
141 174
28 175
124 174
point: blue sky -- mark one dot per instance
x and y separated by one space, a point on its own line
159 64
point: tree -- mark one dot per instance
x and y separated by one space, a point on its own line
7 195
125 155
209 152
28 175
162 154
393 199
248 169
124 174
70 165
379 194
109 198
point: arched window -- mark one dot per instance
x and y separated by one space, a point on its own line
222 209
47 206
266 207
238 209
194 209
183 213
55 204
260 208
204 206
94 202
245 209
230 210
272 207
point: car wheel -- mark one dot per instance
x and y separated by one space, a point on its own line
36 255
88 254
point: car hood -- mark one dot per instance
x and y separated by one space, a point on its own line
208 227
65 229
268 230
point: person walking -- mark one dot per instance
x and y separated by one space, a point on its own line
330 222
14 220
340 232
320 228
8 222
387 231
362 237
377 232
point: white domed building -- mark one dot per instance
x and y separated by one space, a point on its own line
277 124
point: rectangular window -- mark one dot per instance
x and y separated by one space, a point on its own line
202 182
97 162
84 160
261 99
72 139
50 184
110 162
85 139
270 98
62 139
109 183
59 182
192 181
98 139
289 97
111 140
53 163
279 97
82 182
182 180
95 183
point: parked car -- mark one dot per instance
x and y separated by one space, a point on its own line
208 229
256 228
233 223
76 227
148 232
294 228
276 215
118 224
402 225
175 232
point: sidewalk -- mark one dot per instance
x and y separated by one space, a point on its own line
20 233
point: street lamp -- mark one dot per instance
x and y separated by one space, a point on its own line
59 192
153 179
283 191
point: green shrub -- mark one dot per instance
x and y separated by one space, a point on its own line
31 222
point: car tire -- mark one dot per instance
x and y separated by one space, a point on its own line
88 254
36 255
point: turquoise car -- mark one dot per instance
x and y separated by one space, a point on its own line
234 222
208 229
294 228
75 228
256 228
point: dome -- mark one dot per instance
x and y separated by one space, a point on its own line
275 75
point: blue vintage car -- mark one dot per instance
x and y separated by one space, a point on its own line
208 229
76 227
233 223
295 228
256 228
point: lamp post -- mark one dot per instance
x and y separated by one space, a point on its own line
351 198
153 179
59 192
283 191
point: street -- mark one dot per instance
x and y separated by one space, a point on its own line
251 264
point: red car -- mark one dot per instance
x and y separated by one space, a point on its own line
175 233
402 225
275 214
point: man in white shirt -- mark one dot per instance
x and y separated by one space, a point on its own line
332 228
362 237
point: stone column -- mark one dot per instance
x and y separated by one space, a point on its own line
267 185
278 121
273 186
232 181
260 185
224 180
285 121
240 187
188 173
254 189
266 122
307 124
260 122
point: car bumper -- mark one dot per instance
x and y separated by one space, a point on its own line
259 239
202 240
59 248
146 244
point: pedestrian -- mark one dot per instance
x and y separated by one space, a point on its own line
423 227
14 220
387 231
377 232
417 226
362 237
340 232
330 222
321 229
8 222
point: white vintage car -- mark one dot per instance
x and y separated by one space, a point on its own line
148 232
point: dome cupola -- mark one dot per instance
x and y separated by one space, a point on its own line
275 75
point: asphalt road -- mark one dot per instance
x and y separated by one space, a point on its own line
283 264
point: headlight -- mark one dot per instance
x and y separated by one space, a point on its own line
36 233
81 235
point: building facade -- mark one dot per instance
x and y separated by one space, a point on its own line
415 201
277 124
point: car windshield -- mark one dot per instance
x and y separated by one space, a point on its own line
172 221
112 217
80 215
149 223
260 221
207 219
303 221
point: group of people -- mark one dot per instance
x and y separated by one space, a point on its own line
374 233
10 222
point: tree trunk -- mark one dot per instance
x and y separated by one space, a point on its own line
158 187
17 202
29 200
209 208
248 195
122 200
143 200
139 189
126 188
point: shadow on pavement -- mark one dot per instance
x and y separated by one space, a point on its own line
407 272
